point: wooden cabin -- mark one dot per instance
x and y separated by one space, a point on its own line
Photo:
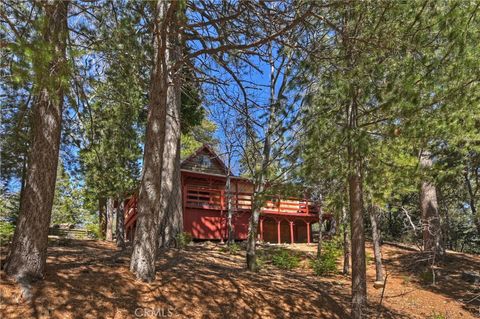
204 176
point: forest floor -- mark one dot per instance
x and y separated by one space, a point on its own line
91 279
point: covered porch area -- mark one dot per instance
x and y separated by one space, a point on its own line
286 229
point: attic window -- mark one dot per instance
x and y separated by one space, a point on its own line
204 161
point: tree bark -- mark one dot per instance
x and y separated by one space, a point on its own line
28 252
359 269
151 204
253 225
320 234
120 226
261 175
172 223
377 250
102 216
228 188
429 206
346 243
110 208
472 203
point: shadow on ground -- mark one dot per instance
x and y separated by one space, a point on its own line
88 279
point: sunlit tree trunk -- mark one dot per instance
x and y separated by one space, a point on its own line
110 208
359 270
429 206
261 175
377 250
228 188
102 217
473 206
172 223
28 251
320 230
151 201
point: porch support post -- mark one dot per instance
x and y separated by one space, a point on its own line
308 233
291 233
261 229
278 232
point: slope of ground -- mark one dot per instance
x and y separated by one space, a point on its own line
90 279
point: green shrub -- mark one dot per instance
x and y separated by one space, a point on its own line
93 231
427 276
183 239
437 315
283 258
260 261
6 232
328 261
369 258
232 249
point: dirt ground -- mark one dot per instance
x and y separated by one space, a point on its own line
90 279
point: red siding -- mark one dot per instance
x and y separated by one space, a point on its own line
212 224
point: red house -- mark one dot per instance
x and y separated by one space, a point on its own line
204 175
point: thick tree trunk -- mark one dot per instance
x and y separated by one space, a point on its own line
110 208
102 217
151 201
346 243
28 252
377 250
429 206
120 226
359 270
172 222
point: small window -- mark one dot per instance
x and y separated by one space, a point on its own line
204 161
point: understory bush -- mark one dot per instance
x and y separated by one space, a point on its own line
6 232
327 263
232 249
285 259
93 231
183 239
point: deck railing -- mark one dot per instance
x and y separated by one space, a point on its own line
217 199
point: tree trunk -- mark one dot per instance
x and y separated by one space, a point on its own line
120 226
359 270
320 234
151 201
261 175
346 242
28 252
228 188
102 217
429 206
473 207
377 250
110 208
253 227
172 223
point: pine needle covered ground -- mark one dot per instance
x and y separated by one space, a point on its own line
91 279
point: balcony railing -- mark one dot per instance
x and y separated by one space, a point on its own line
217 199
